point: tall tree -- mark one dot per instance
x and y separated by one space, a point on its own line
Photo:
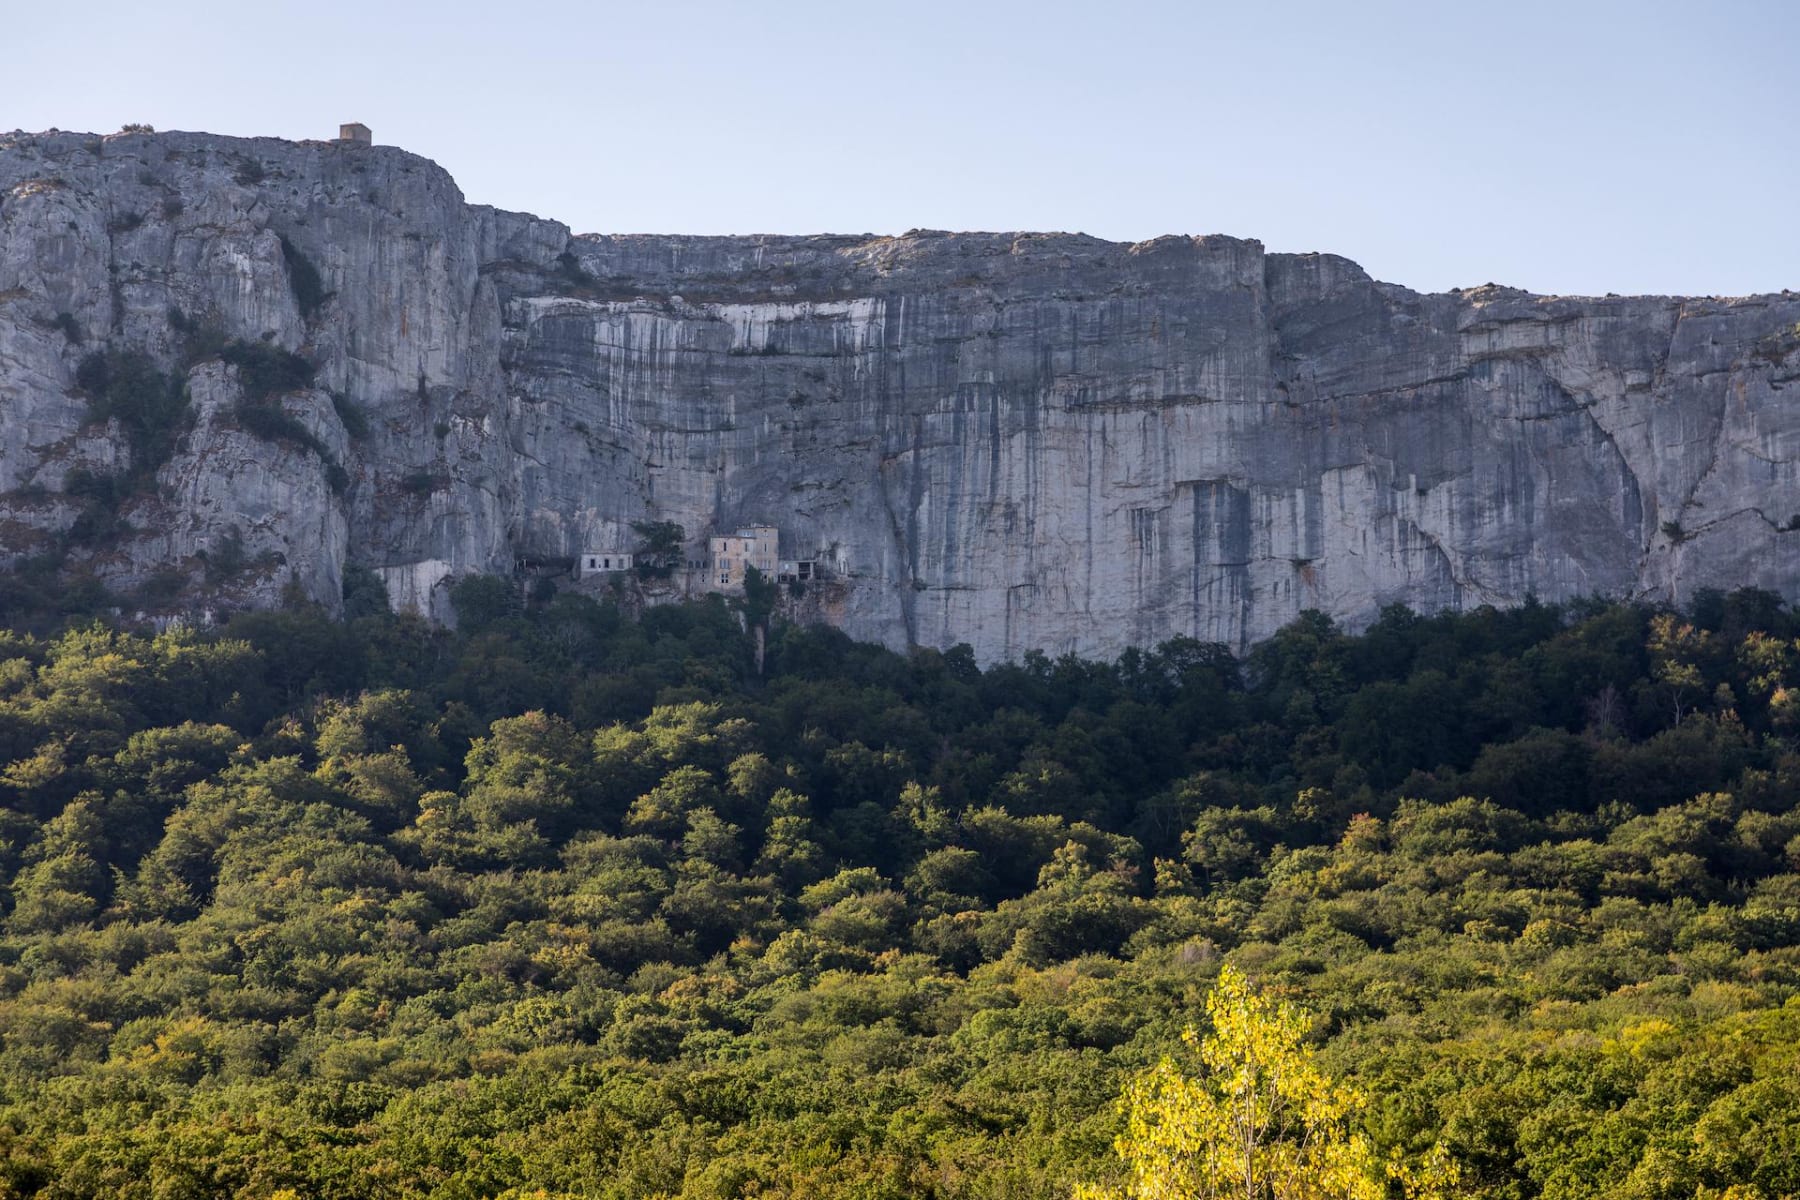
1259 1122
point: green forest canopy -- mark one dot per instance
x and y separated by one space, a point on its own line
564 903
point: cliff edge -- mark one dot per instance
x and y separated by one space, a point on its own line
230 366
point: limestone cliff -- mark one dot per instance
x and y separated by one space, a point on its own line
1012 440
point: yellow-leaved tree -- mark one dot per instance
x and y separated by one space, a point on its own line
1259 1122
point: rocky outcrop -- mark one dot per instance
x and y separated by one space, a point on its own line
1019 441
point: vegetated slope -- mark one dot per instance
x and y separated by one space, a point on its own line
562 901
1009 440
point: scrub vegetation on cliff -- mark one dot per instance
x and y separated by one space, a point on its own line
149 404
566 904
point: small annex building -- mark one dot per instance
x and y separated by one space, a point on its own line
355 131
602 562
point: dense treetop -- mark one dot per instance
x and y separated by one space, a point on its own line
570 902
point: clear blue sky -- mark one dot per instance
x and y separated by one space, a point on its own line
1572 146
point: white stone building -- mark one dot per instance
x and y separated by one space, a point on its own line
602 562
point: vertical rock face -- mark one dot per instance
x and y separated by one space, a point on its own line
1019 441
